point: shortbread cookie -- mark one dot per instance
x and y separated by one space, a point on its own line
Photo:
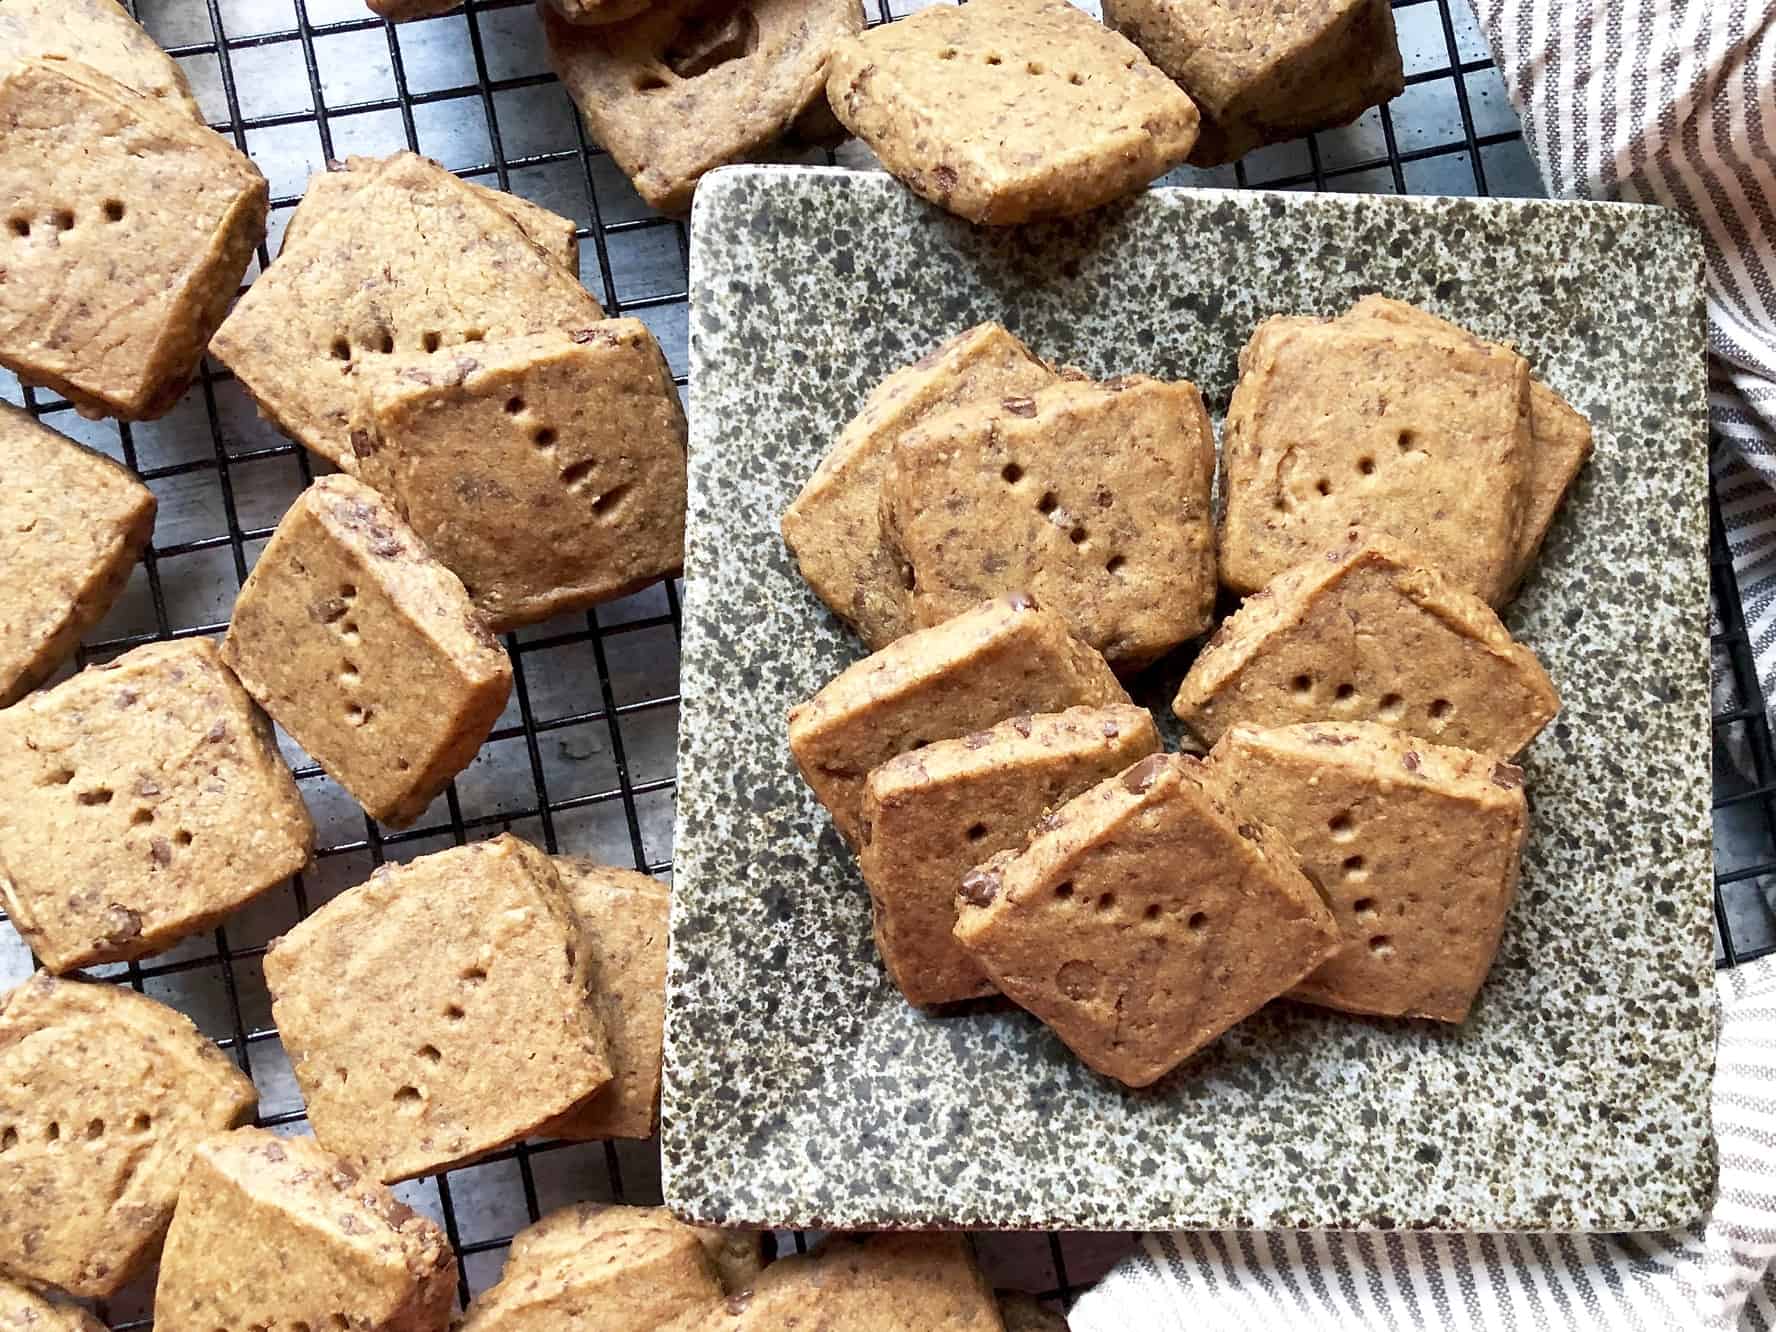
103 1092
140 802
23 1310
736 1255
611 1269
931 816
998 660
1267 73
685 87
885 1283
1093 498
72 523
546 472
416 1059
622 918
276 1233
1417 846
1366 423
598 11
1430 659
413 261
1011 110
333 188
125 227
100 34
367 650
1145 918
834 529
1559 438
1025 1313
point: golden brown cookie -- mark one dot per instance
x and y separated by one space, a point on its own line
416 1061
885 1283
1000 659
599 1269
622 918
686 86
141 802
1145 918
333 188
100 34
1267 73
413 261
834 527
103 1093
932 815
1011 111
1366 632
1093 498
22 1310
403 11
1025 1313
598 11
736 1255
1337 424
1417 846
367 650
546 472
274 1232
1559 437
124 230
72 523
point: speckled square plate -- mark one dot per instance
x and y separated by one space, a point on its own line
800 1090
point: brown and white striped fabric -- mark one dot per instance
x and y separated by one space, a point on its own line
1674 102
1714 1275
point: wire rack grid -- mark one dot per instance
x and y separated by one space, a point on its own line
583 760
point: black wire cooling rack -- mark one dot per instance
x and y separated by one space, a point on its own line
295 83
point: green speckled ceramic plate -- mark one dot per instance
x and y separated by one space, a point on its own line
800 1090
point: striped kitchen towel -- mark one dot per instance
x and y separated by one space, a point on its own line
1714 1275
1674 102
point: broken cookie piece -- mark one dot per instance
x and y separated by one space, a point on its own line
1417 845
125 227
1145 918
1093 498
736 1255
103 1093
367 650
1366 632
1267 73
686 86
599 1269
445 1055
1378 425
367 280
932 815
834 527
100 34
1559 437
1007 111
998 660
141 801
546 472
622 917
72 523
333 188
23 1310
275 1232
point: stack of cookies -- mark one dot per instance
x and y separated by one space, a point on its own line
1352 837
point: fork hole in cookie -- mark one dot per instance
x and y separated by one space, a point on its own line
357 716
54 1132
977 831
995 59
1048 503
948 53
1381 945
140 817
1366 466
474 334
1440 709
1302 687
1355 867
544 437
454 1012
1114 564
1391 708
348 632
574 473
1323 486
141 1123
182 838
1106 901
408 1099
341 350
98 796
514 406
609 500
474 975
1034 69
1364 906
1197 920
1152 911
432 342
431 1054
63 219
348 674
1064 890
95 1129
1077 536
1076 79
113 210
21 226
1342 827
1012 474
1345 692
1407 441
60 777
